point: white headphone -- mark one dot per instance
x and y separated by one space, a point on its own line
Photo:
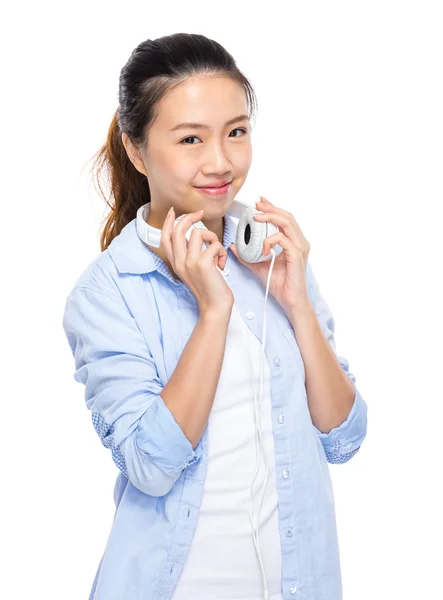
249 243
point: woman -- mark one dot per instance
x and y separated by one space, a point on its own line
162 355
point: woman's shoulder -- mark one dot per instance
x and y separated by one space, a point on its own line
101 276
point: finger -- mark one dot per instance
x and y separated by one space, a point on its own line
215 253
265 203
165 236
215 250
178 238
269 208
222 261
289 227
198 236
283 241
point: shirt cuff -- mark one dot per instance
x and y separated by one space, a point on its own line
162 439
343 441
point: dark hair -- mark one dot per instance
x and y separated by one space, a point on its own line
154 68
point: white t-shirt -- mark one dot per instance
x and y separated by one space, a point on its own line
222 562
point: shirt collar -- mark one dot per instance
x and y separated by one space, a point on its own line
131 255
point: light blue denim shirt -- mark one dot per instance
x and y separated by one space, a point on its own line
127 321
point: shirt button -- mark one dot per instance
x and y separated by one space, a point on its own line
250 314
276 361
285 473
293 589
281 418
289 532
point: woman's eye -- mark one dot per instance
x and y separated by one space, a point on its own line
191 137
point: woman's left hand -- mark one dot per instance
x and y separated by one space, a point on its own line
288 281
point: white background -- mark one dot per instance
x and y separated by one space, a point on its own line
348 138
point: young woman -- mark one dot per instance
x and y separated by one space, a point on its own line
164 357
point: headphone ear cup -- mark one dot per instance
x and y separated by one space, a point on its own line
251 235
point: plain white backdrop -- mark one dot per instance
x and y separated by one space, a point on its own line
348 137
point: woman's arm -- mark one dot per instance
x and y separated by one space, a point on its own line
190 391
338 410
123 389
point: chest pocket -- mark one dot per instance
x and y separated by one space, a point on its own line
289 335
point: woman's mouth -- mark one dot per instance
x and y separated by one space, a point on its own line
215 191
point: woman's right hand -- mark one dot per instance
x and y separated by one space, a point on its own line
195 267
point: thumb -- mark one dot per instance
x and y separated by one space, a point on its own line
233 247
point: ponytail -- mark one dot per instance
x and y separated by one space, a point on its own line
129 188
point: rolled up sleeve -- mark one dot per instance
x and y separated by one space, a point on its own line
343 442
123 392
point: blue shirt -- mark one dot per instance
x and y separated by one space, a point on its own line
127 321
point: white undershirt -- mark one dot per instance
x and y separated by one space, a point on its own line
222 563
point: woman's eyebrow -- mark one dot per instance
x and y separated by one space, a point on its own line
201 126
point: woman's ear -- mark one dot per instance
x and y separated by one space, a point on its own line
133 154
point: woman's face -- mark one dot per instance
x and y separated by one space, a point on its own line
179 160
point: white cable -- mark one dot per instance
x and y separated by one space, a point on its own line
257 410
